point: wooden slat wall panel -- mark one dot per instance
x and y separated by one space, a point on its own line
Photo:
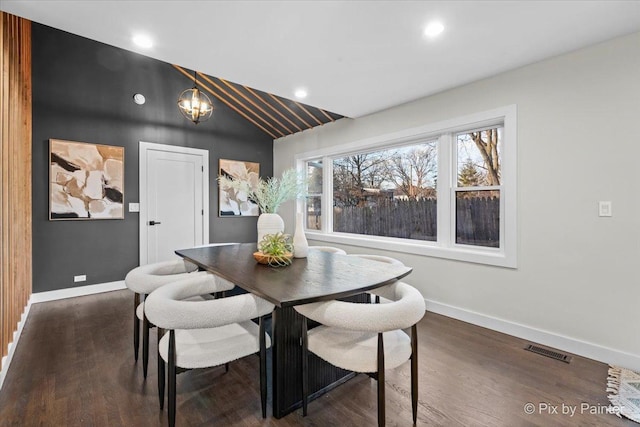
15 185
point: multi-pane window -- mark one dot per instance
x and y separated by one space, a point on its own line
446 190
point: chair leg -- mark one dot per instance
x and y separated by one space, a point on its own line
172 378
381 399
305 367
145 343
136 326
414 372
263 369
160 371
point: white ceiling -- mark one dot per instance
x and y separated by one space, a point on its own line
354 57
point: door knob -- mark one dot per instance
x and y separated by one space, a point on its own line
154 223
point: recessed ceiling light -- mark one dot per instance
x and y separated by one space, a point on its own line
300 93
143 41
433 29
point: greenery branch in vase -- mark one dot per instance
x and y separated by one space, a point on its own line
269 194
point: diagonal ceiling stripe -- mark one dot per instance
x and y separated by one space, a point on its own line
250 103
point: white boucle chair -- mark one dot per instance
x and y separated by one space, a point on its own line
366 337
329 249
379 258
145 279
205 334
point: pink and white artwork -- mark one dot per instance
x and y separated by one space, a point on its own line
86 181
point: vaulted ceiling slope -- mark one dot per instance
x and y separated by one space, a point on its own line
274 115
353 57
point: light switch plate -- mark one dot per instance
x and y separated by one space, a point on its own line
134 207
604 209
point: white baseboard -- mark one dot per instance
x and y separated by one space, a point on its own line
550 339
6 361
77 291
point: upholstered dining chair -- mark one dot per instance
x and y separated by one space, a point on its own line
145 279
204 334
329 249
367 338
379 258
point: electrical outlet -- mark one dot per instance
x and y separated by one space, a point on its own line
81 278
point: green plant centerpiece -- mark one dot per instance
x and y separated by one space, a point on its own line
276 250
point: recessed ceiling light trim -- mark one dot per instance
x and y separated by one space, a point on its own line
433 29
300 93
143 41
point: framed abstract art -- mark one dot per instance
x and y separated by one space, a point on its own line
235 203
86 181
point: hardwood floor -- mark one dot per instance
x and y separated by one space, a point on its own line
74 367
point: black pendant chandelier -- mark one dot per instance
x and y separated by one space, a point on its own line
194 104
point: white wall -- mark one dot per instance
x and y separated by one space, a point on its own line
578 275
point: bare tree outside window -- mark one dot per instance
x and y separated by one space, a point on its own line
414 171
353 175
389 192
478 187
480 151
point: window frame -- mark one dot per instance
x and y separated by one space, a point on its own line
455 188
303 205
444 246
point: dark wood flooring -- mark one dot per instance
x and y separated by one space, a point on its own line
74 367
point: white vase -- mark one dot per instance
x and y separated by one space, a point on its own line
269 223
300 244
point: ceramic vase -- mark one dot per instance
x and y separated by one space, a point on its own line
269 223
300 244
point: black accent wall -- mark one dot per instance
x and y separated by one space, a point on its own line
82 91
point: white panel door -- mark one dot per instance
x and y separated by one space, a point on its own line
174 204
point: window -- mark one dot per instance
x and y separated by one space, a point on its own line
477 190
313 202
445 190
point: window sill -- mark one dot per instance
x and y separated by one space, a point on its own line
494 257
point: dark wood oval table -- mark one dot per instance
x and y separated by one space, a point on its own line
321 276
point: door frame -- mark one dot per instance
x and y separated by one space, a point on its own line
144 148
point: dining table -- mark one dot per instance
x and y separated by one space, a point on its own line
321 276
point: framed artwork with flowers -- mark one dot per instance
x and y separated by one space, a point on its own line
234 202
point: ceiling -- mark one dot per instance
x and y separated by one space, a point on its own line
353 57
274 115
